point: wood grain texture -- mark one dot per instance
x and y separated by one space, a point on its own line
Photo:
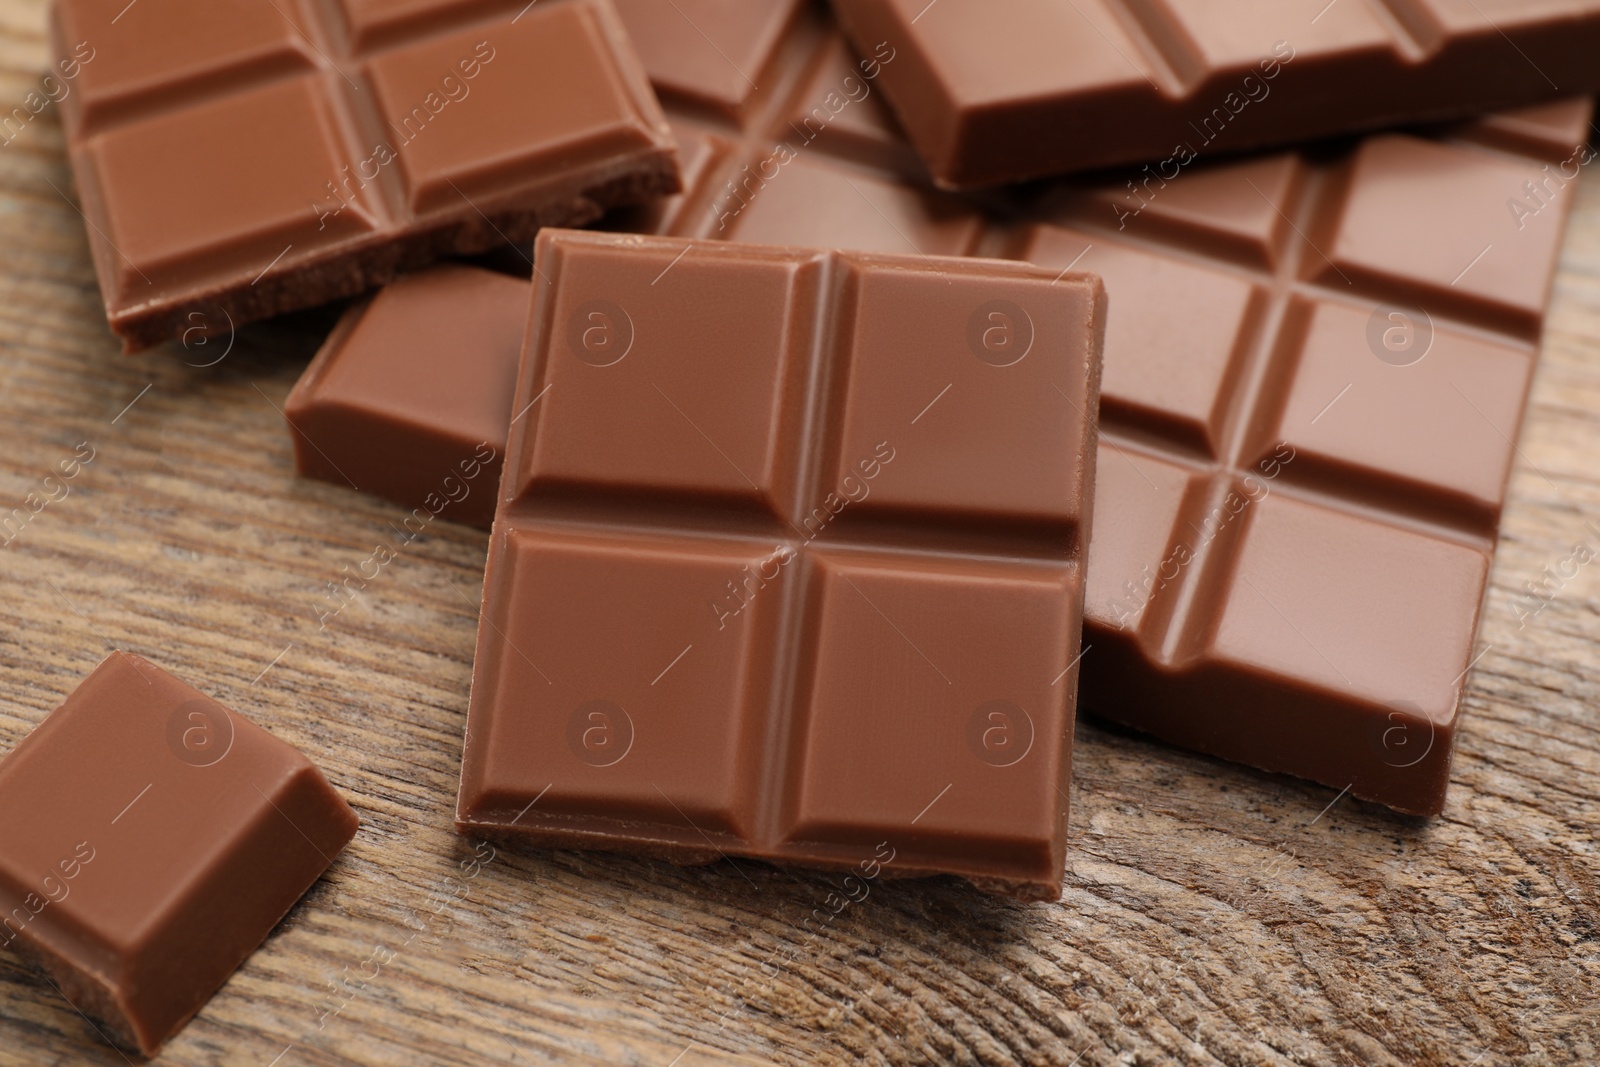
1212 915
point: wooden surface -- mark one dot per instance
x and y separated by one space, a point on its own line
1212 914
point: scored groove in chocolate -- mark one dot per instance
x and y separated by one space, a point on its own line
257 157
1241 299
721 73
1322 442
777 527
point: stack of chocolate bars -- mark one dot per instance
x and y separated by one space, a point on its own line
929 366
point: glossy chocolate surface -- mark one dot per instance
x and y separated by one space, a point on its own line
1314 391
410 396
788 560
1243 299
243 158
153 839
995 91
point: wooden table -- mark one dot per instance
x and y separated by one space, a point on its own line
1212 914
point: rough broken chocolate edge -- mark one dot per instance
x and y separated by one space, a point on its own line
353 273
92 997
81 990
85 988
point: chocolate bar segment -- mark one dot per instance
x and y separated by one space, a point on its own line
153 840
256 157
409 398
1010 90
1299 503
787 561
710 54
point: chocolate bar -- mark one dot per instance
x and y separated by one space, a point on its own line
1010 90
1456 232
1243 299
788 561
409 398
240 160
153 839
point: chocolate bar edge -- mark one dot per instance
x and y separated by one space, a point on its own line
342 274
949 140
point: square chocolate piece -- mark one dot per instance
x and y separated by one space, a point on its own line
237 160
152 841
788 560
409 398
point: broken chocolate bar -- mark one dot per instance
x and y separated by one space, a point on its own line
240 160
787 562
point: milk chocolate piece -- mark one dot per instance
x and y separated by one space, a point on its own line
1313 394
995 91
153 839
1243 299
410 396
788 561
709 54
244 159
